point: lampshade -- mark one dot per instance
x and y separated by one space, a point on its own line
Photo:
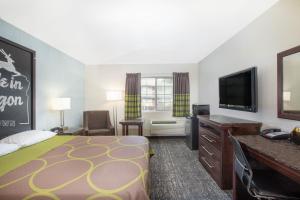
114 95
61 104
287 96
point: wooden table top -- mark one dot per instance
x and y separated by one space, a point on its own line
138 121
225 121
281 151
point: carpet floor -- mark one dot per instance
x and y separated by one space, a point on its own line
176 173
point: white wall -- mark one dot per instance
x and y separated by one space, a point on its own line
276 30
57 75
102 78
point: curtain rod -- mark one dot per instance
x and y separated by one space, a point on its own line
157 74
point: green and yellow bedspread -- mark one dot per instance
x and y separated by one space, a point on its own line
77 167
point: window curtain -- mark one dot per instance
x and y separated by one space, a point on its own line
133 96
181 94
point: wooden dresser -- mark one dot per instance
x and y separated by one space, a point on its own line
215 150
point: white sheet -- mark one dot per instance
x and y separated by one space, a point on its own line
8 148
27 138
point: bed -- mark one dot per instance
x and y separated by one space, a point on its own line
63 167
77 167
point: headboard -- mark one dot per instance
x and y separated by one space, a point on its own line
17 88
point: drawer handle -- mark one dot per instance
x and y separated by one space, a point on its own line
210 140
211 154
210 166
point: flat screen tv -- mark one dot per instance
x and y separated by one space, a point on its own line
238 91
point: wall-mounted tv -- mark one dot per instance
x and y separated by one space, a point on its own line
238 91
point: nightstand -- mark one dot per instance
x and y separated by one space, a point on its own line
72 131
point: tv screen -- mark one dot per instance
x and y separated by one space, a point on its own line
238 91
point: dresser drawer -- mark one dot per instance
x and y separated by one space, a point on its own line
209 150
212 166
210 137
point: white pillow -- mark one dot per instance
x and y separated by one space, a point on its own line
8 148
27 138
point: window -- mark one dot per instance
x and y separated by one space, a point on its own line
157 93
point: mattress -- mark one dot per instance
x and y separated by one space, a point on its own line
77 167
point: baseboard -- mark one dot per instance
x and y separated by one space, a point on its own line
166 137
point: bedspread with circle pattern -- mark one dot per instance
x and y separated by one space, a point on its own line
102 167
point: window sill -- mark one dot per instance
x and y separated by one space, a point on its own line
155 111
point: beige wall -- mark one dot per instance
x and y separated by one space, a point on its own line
102 78
276 30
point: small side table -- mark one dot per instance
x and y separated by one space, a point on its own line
132 122
72 131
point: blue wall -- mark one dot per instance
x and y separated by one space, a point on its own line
57 75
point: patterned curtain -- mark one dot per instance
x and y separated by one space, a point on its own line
133 96
181 94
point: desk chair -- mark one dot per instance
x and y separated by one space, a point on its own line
262 184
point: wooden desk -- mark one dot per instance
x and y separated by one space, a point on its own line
280 155
132 122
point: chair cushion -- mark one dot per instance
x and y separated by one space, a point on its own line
97 119
272 184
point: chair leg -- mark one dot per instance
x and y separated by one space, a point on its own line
123 130
126 130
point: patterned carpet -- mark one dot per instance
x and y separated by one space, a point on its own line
176 173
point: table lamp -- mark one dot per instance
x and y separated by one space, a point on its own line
61 104
114 96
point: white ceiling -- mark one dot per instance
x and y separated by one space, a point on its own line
133 31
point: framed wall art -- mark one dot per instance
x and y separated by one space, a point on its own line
17 88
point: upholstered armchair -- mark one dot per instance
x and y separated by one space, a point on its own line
97 123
